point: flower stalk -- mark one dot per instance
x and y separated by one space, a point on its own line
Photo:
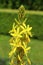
21 34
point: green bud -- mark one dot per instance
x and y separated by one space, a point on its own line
21 13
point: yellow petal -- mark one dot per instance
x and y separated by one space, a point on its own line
17 21
30 34
28 48
11 53
19 58
18 30
25 20
29 62
13 29
12 61
23 31
29 28
24 25
13 44
24 44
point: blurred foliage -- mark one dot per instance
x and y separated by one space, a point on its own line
29 4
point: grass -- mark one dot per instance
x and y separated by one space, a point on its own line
4 46
36 52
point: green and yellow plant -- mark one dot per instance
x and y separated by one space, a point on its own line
20 38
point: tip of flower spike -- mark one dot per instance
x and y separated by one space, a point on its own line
21 13
21 6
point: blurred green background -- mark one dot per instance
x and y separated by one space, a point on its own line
29 4
34 14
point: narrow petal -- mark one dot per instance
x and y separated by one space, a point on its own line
19 58
17 21
18 30
30 34
25 20
11 53
24 25
29 28
24 44
28 48
29 62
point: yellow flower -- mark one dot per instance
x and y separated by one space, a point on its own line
15 32
25 48
26 29
13 29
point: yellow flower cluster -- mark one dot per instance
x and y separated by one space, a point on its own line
19 42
